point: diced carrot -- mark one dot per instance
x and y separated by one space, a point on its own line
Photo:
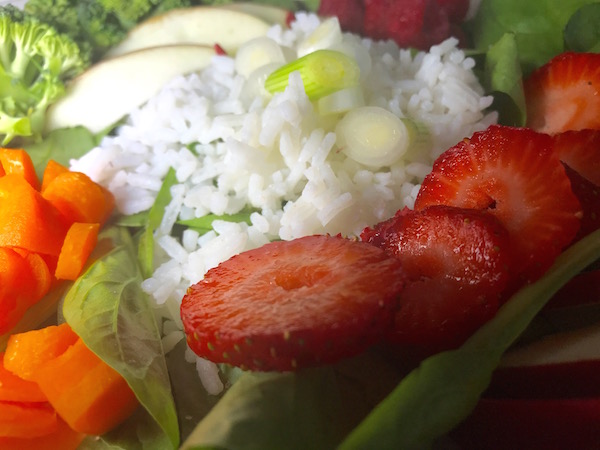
85 391
26 352
17 287
21 419
77 247
27 220
41 272
16 389
63 438
18 161
52 170
2 171
79 198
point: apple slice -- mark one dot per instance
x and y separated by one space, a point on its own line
109 90
203 25
271 14
544 395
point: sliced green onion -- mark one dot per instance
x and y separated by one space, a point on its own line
323 72
257 53
341 101
374 136
326 35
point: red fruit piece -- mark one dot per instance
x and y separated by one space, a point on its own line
457 262
588 195
400 20
514 174
349 13
564 94
293 304
456 10
580 150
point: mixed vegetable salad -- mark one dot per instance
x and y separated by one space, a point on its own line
360 402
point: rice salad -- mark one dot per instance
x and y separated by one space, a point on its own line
276 159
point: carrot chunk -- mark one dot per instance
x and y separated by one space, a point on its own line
52 170
26 352
77 247
17 283
21 419
18 161
85 391
63 438
79 198
16 389
27 220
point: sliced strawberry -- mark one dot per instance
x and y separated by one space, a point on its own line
293 304
580 150
350 13
514 174
457 262
588 195
564 94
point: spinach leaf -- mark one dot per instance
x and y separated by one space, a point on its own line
153 220
311 409
582 33
537 25
440 393
503 78
204 223
61 145
108 309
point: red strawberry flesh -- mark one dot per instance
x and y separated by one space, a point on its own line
456 260
514 174
293 304
564 94
580 150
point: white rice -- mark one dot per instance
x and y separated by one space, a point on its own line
277 156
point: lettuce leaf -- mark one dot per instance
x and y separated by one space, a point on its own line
108 310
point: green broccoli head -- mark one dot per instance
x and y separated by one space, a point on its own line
35 62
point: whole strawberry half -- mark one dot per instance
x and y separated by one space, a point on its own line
564 94
293 304
515 175
457 262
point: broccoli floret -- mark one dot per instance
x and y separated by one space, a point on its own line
35 62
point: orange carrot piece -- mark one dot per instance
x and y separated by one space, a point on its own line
77 247
16 389
27 220
52 170
41 272
21 419
79 198
2 171
63 438
26 352
85 391
17 288
18 161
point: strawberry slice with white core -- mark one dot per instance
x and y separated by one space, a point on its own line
293 304
564 94
514 174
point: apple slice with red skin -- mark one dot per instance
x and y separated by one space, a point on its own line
545 395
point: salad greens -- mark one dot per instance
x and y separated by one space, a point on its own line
515 37
339 405
107 308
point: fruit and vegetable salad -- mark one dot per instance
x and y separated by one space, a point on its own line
299 224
